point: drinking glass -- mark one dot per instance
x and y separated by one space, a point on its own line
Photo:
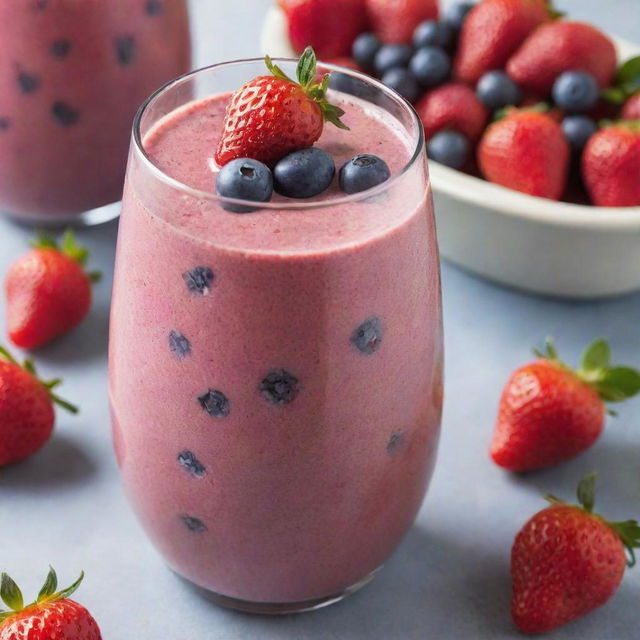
275 376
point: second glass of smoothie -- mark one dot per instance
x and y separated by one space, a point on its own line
72 75
275 376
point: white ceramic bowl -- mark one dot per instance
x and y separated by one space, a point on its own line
533 244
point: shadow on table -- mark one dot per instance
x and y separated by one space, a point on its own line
61 463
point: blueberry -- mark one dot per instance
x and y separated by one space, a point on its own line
5 123
496 89
125 47
191 464
390 56
199 280
363 172
279 387
575 91
367 338
578 130
449 148
66 115
431 66
194 525
27 82
396 442
179 344
244 179
364 49
154 7
402 81
432 34
60 48
215 403
304 173
456 14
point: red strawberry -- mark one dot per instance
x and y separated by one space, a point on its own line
48 291
631 108
26 409
549 413
566 561
611 165
453 106
562 46
52 615
526 151
492 31
330 27
396 20
272 115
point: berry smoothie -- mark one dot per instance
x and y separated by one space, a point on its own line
275 376
72 74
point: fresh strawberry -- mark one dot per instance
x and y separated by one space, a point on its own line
631 108
52 615
270 116
48 291
611 165
396 20
562 46
550 413
566 561
453 106
26 409
526 151
329 26
492 31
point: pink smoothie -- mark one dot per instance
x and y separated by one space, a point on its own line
275 377
72 74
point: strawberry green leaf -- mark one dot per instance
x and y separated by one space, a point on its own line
73 250
4 615
587 491
614 95
618 384
10 593
596 356
65 593
629 72
49 587
43 241
5 354
306 70
276 70
629 532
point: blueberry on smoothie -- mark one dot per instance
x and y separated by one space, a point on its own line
244 179
125 49
191 464
60 48
304 173
396 441
154 7
279 387
367 338
195 525
199 280
363 172
5 123
28 82
179 344
215 403
66 115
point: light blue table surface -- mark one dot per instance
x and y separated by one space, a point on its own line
450 578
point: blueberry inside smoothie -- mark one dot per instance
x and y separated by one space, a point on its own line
276 374
72 75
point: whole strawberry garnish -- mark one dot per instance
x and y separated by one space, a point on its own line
48 291
453 106
550 413
329 26
566 561
631 108
272 115
396 20
492 31
526 151
558 47
51 616
611 165
26 409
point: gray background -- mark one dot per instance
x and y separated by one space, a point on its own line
449 579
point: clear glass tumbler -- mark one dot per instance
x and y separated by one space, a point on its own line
72 75
275 376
